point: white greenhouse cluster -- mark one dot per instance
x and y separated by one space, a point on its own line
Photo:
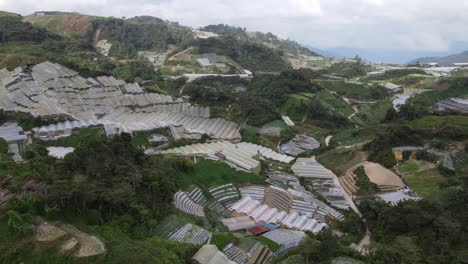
52 89
323 181
225 194
191 234
284 236
62 128
240 155
209 254
266 214
183 202
59 152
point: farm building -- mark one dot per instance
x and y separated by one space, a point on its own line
398 152
238 223
209 254
12 133
263 213
310 168
15 138
212 59
393 88
455 104
62 129
322 180
299 144
445 157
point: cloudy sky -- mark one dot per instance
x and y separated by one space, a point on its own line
423 25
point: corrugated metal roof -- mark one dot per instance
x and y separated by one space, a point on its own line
12 133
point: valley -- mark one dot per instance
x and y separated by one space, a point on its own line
141 140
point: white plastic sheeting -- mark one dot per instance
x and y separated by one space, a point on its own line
183 202
264 213
241 154
52 89
59 152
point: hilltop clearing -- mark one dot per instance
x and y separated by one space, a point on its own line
61 23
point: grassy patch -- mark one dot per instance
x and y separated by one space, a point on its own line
141 138
274 124
356 135
80 136
124 249
210 173
424 183
293 102
353 90
373 113
439 121
272 245
220 240
335 102
412 166
295 259
339 160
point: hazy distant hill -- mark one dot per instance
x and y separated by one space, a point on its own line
325 53
447 60
8 14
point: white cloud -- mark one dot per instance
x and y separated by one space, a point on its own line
400 24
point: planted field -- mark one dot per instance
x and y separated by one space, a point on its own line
355 91
340 160
272 245
75 139
439 121
294 259
208 173
124 249
424 183
373 113
413 166
334 102
293 103
356 135
168 226
222 239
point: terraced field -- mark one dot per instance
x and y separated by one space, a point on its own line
422 177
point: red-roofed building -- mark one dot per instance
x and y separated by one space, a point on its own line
258 230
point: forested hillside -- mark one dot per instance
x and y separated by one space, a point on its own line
269 39
136 34
252 56
175 142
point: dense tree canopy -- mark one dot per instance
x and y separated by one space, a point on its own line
13 29
136 34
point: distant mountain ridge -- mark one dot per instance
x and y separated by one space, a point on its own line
445 61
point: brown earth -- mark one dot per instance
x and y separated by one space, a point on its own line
62 24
